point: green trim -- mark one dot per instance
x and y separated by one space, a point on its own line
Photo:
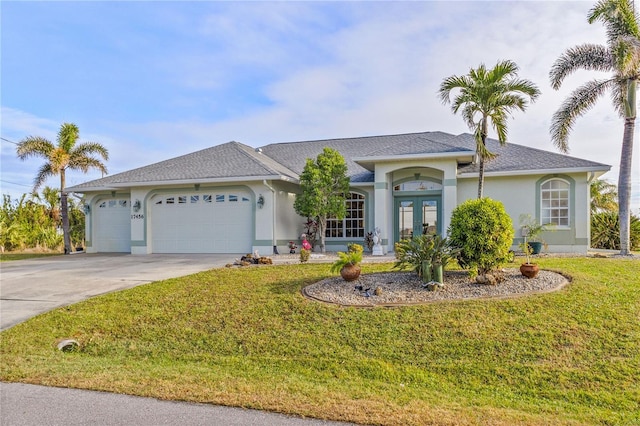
572 198
138 243
263 243
450 182
381 185
417 200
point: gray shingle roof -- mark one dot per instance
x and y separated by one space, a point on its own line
229 160
236 160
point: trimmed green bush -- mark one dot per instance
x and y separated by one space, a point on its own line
483 232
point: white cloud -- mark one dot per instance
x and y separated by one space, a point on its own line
324 70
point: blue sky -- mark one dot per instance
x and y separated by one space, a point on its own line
153 80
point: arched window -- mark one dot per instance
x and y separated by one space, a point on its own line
554 202
352 226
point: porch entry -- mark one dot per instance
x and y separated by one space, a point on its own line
417 215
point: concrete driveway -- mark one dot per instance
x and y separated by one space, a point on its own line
33 286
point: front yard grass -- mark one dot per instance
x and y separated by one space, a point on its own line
247 337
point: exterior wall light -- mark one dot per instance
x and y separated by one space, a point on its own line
260 201
136 206
87 209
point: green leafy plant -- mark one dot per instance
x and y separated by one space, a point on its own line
482 231
605 231
304 255
353 247
432 249
350 258
533 229
323 185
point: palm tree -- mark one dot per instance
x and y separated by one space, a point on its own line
66 155
604 197
621 58
488 95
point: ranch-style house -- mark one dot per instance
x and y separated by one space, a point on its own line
233 198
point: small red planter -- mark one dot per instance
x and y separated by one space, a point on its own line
529 270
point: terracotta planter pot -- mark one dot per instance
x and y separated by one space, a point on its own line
529 270
350 272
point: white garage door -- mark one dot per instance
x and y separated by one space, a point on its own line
113 226
204 222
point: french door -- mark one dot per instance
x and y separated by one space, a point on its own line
417 215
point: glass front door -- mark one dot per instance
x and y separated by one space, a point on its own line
417 216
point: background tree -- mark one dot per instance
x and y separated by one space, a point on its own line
324 185
621 58
604 197
66 155
488 95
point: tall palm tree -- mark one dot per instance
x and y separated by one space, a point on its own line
66 155
621 58
488 95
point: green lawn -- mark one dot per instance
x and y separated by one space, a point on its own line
5 257
247 337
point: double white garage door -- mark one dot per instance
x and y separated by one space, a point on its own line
201 222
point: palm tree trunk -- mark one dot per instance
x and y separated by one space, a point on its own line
64 210
624 186
483 136
481 178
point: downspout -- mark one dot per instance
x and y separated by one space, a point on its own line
273 207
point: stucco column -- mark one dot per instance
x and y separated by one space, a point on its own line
449 196
383 218
140 241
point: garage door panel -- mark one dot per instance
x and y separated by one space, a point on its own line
202 223
113 226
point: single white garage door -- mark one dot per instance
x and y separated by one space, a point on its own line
113 226
204 222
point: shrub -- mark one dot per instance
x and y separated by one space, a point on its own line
304 255
423 248
605 231
483 232
355 248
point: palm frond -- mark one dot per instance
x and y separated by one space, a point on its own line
44 172
34 146
68 136
91 148
618 17
580 101
626 53
592 57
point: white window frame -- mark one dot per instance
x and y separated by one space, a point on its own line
557 200
342 226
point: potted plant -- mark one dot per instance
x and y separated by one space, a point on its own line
532 231
348 264
528 269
